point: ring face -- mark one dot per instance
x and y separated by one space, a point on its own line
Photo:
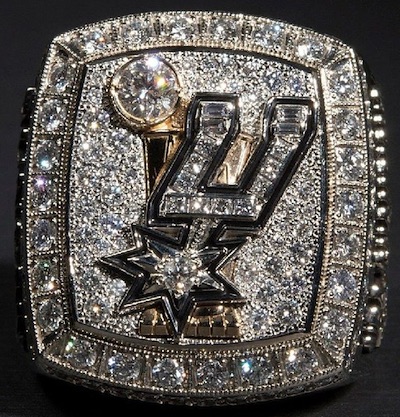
199 208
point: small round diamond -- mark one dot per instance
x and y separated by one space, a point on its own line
349 204
135 32
273 79
96 40
347 124
61 76
43 192
45 274
255 371
53 114
49 315
269 35
181 28
97 309
112 224
120 141
112 194
213 374
342 285
347 245
180 272
300 361
310 48
43 235
342 80
46 155
223 29
335 327
124 367
350 164
168 373
288 312
95 96
145 90
80 353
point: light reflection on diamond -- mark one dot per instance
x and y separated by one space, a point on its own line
46 155
146 90
50 315
53 114
168 373
342 286
212 374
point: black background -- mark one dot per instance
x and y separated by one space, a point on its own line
372 27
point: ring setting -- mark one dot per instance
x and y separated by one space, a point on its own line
202 211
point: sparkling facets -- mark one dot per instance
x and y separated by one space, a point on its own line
49 315
335 327
347 124
271 35
224 29
96 40
97 309
124 367
342 286
46 155
213 374
349 205
342 80
43 192
300 361
45 275
61 75
347 245
95 95
80 353
52 116
168 373
180 272
310 48
146 90
350 164
181 29
43 234
255 370
135 32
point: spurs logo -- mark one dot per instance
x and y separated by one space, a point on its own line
206 200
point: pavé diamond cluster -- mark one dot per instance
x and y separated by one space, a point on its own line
202 215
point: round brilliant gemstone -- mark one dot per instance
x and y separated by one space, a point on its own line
168 373
342 285
49 315
180 272
146 90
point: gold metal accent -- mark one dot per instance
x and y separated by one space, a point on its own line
213 322
153 323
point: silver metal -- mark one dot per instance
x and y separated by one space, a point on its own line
202 215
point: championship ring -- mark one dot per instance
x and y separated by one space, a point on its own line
202 212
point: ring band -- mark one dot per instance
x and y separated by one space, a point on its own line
202 210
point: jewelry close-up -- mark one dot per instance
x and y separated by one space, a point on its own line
202 212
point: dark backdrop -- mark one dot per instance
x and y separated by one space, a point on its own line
372 27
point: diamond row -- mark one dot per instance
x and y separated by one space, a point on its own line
208 29
242 370
44 189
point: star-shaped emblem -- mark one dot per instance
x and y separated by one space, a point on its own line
168 274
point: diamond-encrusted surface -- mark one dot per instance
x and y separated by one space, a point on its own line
122 199
277 270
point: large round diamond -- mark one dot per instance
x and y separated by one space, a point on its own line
145 91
